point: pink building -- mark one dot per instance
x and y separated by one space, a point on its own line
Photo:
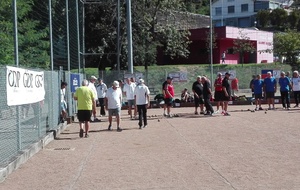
225 37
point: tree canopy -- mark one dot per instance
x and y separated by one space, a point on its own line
287 44
33 47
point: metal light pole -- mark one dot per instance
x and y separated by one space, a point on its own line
129 37
118 37
211 42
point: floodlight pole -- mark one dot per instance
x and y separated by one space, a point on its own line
118 36
211 41
129 37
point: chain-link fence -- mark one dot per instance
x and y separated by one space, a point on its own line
185 76
25 124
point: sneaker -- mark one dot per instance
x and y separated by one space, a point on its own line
223 112
196 113
208 113
260 108
145 126
288 108
96 119
81 133
86 136
109 128
296 106
217 111
140 127
165 114
170 116
256 109
119 129
226 114
202 112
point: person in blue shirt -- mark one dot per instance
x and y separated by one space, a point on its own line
270 89
285 84
257 86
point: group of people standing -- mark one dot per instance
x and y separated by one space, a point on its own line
110 100
268 87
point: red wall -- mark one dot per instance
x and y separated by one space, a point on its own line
199 53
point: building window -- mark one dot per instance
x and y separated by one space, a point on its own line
230 9
218 10
258 5
230 50
244 8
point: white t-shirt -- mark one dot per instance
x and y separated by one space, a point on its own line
62 95
296 84
129 89
101 90
141 92
114 98
93 88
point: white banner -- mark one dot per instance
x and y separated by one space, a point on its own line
24 86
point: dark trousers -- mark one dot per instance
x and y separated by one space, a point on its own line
208 105
285 99
297 97
142 110
101 103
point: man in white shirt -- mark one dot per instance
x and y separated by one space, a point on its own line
101 92
113 103
129 93
142 102
91 85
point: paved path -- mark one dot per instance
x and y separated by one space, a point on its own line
248 150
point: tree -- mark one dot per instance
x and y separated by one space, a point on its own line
154 24
287 44
279 18
243 45
33 46
263 18
294 18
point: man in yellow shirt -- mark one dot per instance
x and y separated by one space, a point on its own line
86 105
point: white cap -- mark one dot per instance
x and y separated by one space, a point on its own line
93 77
141 81
116 84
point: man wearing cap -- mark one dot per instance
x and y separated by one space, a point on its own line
142 102
86 104
198 95
129 93
101 91
91 85
226 93
113 103
169 95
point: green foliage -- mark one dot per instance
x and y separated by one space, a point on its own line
279 18
33 47
288 44
147 29
263 18
294 18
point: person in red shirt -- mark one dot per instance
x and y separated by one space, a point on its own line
169 95
218 92
234 86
